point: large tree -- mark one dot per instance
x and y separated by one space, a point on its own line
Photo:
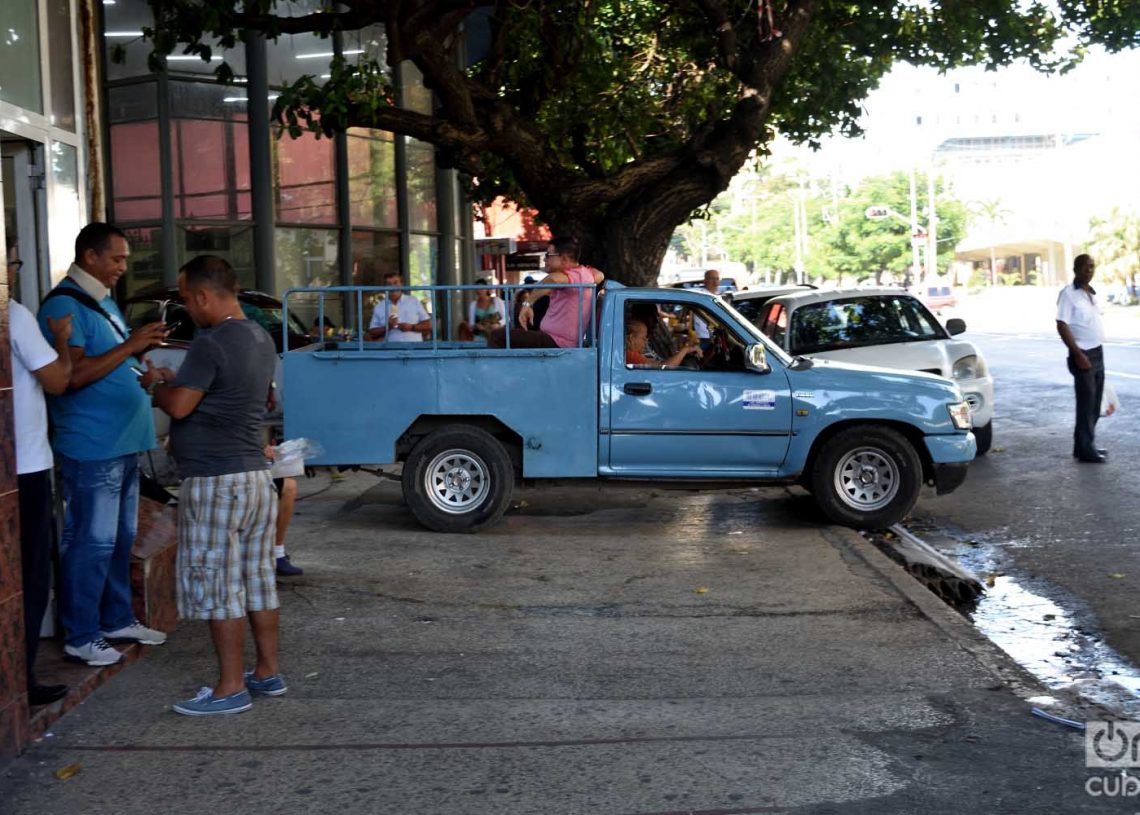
616 119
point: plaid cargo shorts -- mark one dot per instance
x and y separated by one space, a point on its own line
226 530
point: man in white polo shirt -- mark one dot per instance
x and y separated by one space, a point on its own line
37 365
400 319
1078 323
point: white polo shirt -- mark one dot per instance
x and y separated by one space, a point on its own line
1080 311
408 309
30 352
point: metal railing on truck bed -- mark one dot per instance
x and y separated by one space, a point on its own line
440 302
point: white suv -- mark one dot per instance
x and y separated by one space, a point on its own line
884 327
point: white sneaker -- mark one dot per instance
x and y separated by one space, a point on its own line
96 652
136 632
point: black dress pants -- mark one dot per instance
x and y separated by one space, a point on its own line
1089 387
35 552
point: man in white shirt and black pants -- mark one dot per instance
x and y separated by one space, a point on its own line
1078 323
36 366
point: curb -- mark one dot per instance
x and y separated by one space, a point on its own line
960 631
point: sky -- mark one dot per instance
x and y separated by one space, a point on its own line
1099 96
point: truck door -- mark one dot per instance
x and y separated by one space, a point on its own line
720 419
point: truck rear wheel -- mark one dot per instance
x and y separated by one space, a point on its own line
867 477
458 479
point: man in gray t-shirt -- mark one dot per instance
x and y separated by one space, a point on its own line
232 365
227 508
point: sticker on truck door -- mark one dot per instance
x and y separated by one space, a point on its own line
759 400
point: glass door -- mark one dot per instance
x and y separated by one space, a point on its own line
23 202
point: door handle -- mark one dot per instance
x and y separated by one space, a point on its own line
638 388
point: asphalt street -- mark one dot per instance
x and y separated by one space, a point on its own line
1068 529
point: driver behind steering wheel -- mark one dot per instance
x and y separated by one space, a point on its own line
636 338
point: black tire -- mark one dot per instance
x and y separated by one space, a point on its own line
458 479
882 455
984 436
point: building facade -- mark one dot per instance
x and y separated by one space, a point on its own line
186 165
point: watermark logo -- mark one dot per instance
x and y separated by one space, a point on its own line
1112 744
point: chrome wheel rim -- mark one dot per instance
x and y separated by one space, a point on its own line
866 479
456 481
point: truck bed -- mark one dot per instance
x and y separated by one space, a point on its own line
357 401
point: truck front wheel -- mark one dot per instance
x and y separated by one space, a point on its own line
867 477
458 479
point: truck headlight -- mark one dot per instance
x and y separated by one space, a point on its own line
969 367
960 414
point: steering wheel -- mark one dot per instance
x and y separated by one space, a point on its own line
691 361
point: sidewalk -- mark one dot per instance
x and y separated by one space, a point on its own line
601 651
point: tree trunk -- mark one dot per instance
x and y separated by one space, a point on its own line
628 240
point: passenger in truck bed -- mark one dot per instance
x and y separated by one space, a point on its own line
568 317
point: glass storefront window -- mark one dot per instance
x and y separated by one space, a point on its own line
304 179
367 44
421 186
136 184
132 103
65 213
136 193
123 23
234 243
292 56
210 148
423 260
144 266
20 78
416 96
373 255
305 258
372 178
62 64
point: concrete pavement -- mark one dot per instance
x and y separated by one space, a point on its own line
603 651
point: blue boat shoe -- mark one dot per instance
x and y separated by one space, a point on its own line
205 704
269 686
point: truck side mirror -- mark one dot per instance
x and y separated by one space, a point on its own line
955 326
757 359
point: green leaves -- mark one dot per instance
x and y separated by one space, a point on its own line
568 102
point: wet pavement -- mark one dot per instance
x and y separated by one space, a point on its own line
606 650
1041 524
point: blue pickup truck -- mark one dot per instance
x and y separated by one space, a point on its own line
467 421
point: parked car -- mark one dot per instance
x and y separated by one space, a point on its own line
862 440
749 303
165 303
887 328
938 296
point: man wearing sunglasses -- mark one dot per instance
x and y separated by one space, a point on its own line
568 317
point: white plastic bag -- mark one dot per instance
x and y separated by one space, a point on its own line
291 456
1110 402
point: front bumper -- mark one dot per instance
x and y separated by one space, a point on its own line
980 394
949 477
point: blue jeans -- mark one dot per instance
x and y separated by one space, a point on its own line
100 519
